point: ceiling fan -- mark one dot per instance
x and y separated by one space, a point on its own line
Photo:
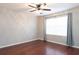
38 7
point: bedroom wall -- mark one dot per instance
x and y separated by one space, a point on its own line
16 27
40 27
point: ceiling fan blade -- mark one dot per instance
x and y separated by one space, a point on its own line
32 10
32 6
46 9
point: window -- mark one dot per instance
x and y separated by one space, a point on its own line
57 26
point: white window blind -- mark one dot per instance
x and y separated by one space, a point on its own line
57 25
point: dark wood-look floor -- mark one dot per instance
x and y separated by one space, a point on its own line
39 47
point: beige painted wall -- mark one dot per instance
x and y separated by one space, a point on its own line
40 27
16 27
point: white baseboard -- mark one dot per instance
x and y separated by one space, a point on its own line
62 43
56 42
76 47
33 40
17 43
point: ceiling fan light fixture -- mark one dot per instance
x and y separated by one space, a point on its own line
39 8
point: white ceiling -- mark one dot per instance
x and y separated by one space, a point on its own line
55 7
